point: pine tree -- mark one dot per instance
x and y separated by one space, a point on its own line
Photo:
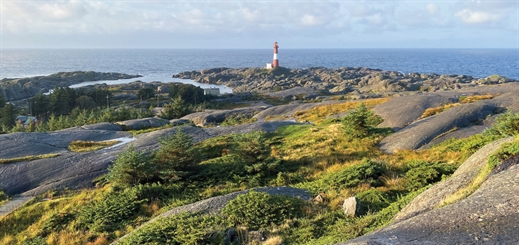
175 156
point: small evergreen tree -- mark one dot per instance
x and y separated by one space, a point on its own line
175 109
2 101
175 156
131 168
360 121
8 116
146 93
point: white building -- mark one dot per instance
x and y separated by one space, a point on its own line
212 91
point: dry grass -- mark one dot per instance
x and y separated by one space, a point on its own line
463 100
319 113
394 182
86 146
469 189
474 98
275 240
437 110
27 158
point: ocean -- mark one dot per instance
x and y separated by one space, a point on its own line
161 64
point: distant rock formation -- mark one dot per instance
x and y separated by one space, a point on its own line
346 80
13 89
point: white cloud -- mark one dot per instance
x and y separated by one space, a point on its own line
432 8
477 17
310 20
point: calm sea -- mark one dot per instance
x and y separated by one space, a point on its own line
161 64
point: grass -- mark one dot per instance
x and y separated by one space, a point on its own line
86 146
27 158
504 152
320 113
148 130
462 100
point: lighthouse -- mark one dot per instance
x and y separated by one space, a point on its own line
275 62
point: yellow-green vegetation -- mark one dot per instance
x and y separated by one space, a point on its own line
148 130
504 152
462 100
3 197
27 158
335 160
86 146
319 113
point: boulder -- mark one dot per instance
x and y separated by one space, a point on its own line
218 116
351 207
137 124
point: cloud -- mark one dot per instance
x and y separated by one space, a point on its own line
432 8
477 17
227 21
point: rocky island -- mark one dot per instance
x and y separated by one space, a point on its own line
354 82
13 89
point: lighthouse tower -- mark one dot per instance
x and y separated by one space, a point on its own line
275 62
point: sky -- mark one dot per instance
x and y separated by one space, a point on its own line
227 24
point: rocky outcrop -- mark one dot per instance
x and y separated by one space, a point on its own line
401 111
423 131
211 117
77 170
345 80
488 216
143 123
13 89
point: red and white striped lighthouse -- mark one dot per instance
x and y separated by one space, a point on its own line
275 62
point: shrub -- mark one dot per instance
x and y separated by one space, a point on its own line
257 210
421 173
360 121
183 228
366 171
505 152
177 108
131 168
175 156
373 200
111 212
506 124
253 146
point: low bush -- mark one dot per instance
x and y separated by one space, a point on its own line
257 210
113 211
506 124
505 152
373 200
180 229
422 173
366 171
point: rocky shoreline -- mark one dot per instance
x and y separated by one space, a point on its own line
13 89
354 82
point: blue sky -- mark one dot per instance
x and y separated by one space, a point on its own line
257 24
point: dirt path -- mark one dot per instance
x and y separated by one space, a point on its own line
13 204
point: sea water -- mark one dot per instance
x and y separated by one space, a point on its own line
161 64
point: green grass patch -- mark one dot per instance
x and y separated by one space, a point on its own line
506 151
27 158
149 130
86 146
